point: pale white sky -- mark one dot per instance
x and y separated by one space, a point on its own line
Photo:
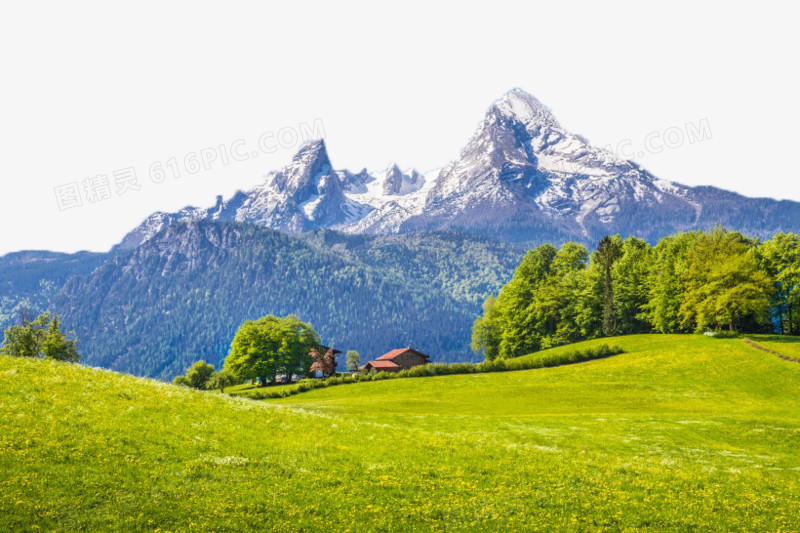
88 89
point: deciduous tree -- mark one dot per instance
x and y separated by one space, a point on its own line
323 361
724 283
269 346
221 380
353 360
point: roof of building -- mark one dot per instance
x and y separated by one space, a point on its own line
383 364
394 353
390 355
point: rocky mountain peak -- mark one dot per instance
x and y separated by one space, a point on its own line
396 182
303 175
518 105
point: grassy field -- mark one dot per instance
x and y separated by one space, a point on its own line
680 433
786 345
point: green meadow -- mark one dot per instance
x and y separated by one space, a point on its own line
785 345
679 433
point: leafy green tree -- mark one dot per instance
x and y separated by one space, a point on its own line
667 282
353 360
221 380
630 275
485 337
299 338
537 308
269 346
21 341
520 307
41 338
781 258
725 284
199 374
587 294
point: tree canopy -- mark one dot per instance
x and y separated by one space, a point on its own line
197 376
270 346
689 282
353 360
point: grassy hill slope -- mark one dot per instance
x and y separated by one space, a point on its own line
679 433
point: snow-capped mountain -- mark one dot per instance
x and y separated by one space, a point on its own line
522 174
309 194
521 178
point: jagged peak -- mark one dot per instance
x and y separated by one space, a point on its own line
304 173
397 181
313 151
523 106
393 170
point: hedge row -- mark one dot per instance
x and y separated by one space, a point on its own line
446 369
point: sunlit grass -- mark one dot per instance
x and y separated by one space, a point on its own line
679 433
789 346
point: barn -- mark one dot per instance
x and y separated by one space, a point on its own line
397 360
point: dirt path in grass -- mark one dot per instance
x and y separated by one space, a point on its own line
773 352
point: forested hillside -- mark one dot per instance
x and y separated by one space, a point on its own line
181 296
29 280
689 282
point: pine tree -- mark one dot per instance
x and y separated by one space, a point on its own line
57 346
609 250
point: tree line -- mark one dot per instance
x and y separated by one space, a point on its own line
266 349
689 282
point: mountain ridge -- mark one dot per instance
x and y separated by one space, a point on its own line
521 178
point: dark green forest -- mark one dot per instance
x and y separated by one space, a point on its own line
695 282
181 296
30 280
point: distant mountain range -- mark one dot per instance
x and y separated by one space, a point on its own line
373 260
522 178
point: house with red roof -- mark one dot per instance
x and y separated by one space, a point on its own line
397 360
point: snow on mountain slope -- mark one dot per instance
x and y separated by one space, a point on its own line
522 160
521 178
310 194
